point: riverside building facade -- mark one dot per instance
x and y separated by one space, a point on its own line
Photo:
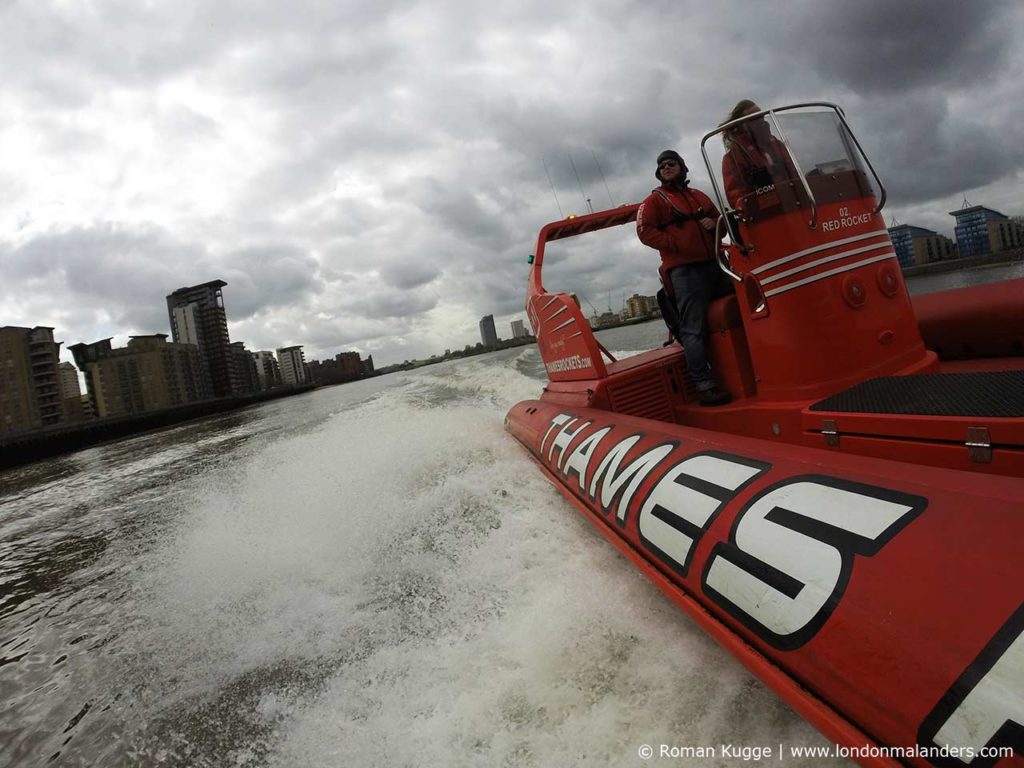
268 371
30 384
640 306
980 230
197 316
148 374
245 368
293 365
71 393
488 335
917 245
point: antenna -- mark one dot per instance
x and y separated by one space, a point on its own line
546 173
585 198
603 179
966 203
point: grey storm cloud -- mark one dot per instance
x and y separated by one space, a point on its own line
884 47
268 276
391 304
131 268
375 173
407 275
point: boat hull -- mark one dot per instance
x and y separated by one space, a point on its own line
882 600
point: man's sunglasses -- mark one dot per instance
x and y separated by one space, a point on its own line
668 164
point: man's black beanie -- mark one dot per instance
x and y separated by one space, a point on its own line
673 155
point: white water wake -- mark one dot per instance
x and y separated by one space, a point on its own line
395 584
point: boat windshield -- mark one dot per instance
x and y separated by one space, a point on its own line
758 162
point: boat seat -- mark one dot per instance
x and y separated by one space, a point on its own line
666 356
990 394
724 314
727 341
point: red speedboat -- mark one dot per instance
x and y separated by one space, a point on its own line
850 526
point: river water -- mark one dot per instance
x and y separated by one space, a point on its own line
366 575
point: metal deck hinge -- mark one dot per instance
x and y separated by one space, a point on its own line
830 432
979 445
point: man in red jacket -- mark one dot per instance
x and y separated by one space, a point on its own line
679 223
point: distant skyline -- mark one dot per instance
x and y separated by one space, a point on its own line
371 176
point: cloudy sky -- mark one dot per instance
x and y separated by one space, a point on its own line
371 175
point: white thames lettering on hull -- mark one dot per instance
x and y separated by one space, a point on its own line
628 480
563 438
579 459
557 421
993 710
681 506
791 553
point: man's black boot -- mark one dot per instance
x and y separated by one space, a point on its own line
714 396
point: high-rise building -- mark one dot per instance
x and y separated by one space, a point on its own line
972 229
902 236
146 375
640 306
245 367
917 245
293 365
267 369
1005 235
346 366
69 386
71 393
518 331
197 317
488 335
30 385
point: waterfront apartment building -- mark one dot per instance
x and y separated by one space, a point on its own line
518 330
1005 234
268 372
293 365
148 374
197 316
974 229
30 385
245 367
902 237
640 306
917 245
71 393
349 364
488 335
346 366
69 385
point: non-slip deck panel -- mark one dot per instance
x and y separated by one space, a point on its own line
994 394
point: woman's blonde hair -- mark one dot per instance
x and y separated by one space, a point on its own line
737 112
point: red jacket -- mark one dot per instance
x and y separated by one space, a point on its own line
748 165
672 225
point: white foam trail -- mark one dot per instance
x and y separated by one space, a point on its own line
401 586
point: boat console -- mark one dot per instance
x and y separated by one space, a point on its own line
820 308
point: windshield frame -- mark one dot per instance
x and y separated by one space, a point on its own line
770 114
